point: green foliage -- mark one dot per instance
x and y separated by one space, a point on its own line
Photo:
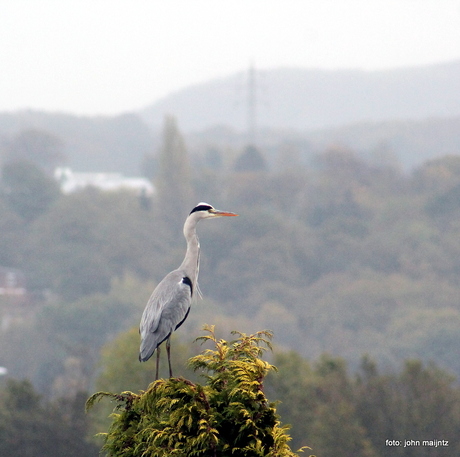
32 428
354 414
87 239
78 329
319 403
428 334
343 257
119 369
418 403
42 148
438 175
11 228
174 178
228 416
250 160
27 190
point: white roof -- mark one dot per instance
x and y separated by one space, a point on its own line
71 181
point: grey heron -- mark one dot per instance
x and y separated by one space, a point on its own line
170 302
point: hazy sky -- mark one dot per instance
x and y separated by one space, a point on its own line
111 56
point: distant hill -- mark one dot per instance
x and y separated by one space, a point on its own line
303 99
113 144
408 143
406 115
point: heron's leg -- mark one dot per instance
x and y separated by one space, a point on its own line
158 363
168 350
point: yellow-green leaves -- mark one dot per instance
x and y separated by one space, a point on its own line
229 415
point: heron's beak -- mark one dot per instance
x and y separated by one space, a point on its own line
216 212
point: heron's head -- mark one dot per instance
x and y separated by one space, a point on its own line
205 211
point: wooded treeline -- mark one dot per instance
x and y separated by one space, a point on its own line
341 256
333 411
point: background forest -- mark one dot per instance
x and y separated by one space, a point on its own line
352 263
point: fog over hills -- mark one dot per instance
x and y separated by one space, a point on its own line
406 115
305 99
102 143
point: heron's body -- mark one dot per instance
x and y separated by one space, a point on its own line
170 302
166 310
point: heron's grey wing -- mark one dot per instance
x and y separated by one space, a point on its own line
166 309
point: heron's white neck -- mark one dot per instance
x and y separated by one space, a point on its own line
191 263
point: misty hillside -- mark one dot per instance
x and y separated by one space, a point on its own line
409 143
305 99
103 143
406 143
404 116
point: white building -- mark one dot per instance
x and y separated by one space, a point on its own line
71 181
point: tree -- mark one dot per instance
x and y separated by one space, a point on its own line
419 403
293 385
337 428
64 339
320 404
41 148
175 197
27 190
12 230
119 369
437 175
90 237
229 416
29 427
251 160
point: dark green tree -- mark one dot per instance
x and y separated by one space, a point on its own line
419 403
27 190
43 149
90 237
319 402
173 182
30 427
228 416
251 160
12 230
349 415
294 386
337 428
